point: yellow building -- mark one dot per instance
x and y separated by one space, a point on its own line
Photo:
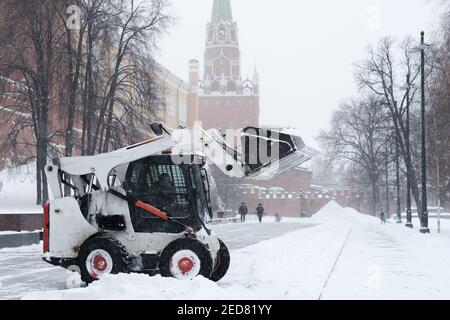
178 98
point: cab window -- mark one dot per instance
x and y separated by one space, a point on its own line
162 186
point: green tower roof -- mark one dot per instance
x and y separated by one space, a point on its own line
221 11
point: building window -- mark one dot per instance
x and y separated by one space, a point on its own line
222 33
233 35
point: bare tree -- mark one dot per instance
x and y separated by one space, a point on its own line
385 77
111 72
73 44
439 117
131 33
100 76
33 55
358 138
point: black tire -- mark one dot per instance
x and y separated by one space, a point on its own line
206 261
222 262
117 252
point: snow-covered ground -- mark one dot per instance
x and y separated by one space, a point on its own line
18 191
337 254
17 232
22 270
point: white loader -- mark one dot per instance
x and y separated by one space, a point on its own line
146 208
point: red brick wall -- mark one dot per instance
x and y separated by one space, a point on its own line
228 112
20 222
235 191
292 181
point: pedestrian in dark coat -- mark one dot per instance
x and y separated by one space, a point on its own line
383 217
243 211
260 212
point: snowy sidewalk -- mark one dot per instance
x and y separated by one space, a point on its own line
387 262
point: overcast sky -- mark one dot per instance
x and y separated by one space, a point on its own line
304 50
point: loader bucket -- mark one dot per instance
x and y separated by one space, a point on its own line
267 153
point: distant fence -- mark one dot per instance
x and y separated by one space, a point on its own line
225 220
14 240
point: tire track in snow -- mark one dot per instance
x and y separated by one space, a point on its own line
335 263
27 273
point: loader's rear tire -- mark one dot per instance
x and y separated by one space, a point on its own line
100 256
222 262
185 259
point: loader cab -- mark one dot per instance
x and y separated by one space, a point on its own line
180 190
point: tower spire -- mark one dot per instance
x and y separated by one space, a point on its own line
221 11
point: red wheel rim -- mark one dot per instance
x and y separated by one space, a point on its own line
185 264
100 263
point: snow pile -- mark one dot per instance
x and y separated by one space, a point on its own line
334 213
144 287
18 190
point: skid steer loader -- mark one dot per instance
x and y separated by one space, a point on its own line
146 208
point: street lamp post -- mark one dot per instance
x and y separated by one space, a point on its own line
387 179
409 223
397 168
408 86
424 221
359 202
302 212
305 209
424 228
438 178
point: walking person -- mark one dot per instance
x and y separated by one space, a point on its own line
383 217
243 211
277 217
260 212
